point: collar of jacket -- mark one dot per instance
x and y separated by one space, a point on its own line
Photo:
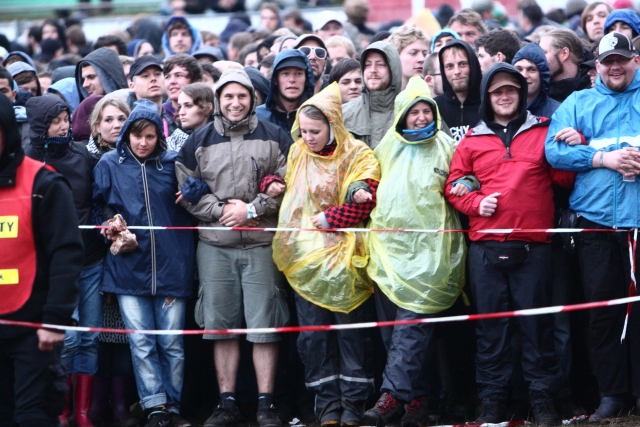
8 171
530 122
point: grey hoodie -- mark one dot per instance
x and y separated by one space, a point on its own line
369 116
110 71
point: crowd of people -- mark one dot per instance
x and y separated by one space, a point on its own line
485 124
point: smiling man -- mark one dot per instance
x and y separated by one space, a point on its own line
606 197
179 70
505 151
530 61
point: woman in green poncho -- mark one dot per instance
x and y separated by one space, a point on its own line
418 274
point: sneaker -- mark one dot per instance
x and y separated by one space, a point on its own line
385 408
544 412
493 413
416 413
159 418
178 421
223 416
268 417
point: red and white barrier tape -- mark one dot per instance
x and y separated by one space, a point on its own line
466 317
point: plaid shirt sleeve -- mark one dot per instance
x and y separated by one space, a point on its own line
267 180
350 214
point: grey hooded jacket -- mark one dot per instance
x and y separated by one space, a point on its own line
110 72
369 116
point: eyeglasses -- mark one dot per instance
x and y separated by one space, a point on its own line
620 60
319 52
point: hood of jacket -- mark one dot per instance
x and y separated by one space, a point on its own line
80 121
21 67
475 75
534 53
258 80
221 124
69 91
195 36
143 109
627 16
41 111
109 69
12 140
63 72
417 90
149 30
273 90
445 31
384 98
486 113
24 56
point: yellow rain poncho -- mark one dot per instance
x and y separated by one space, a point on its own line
420 272
327 269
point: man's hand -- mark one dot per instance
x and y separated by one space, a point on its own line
568 135
626 161
47 340
234 214
489 204
459 190
362 196
275 189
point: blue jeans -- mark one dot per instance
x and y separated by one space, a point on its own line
158 360
80 351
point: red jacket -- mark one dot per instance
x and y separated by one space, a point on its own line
524 180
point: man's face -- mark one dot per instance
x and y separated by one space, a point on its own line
251 60
530 72
486 60
31 87
457 70
148 84
553 57
617 72
621 27
468 33
376 72
180 40
269 20
412 58
439 44
331 28
317 64
504 102
435 80
350 85
91 81
235 102
7 91
291 82
175 80
337 54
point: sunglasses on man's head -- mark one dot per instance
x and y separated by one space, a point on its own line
319 52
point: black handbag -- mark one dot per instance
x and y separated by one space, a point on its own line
506 255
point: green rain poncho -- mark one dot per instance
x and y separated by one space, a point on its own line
325 268
420 272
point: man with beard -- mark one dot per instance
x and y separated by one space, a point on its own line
316 51
292 83
564 53
460 101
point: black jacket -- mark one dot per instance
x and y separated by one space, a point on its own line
561 89
460 117
73 161
58 243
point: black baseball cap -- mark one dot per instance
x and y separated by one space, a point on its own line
615 44
142 63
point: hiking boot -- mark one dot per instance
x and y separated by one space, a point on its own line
349 419
268 417
178 421
416 413
159 418
385 408
544 412
610 407
223 416
492 412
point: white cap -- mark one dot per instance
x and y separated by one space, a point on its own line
326 16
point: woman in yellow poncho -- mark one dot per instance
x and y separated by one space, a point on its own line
417 274
331 182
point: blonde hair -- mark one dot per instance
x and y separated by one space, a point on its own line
96 115
336 41
407 34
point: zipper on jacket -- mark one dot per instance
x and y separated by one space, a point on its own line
147 203
615 181
256 173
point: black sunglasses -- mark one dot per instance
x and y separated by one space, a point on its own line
319 52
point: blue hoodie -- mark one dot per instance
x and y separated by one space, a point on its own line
627 16
608 120
446 31
268 110
542 105
69 91
196 38
143 192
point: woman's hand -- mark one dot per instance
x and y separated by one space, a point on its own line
180 198
275 189
459 190
362 196
316 220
